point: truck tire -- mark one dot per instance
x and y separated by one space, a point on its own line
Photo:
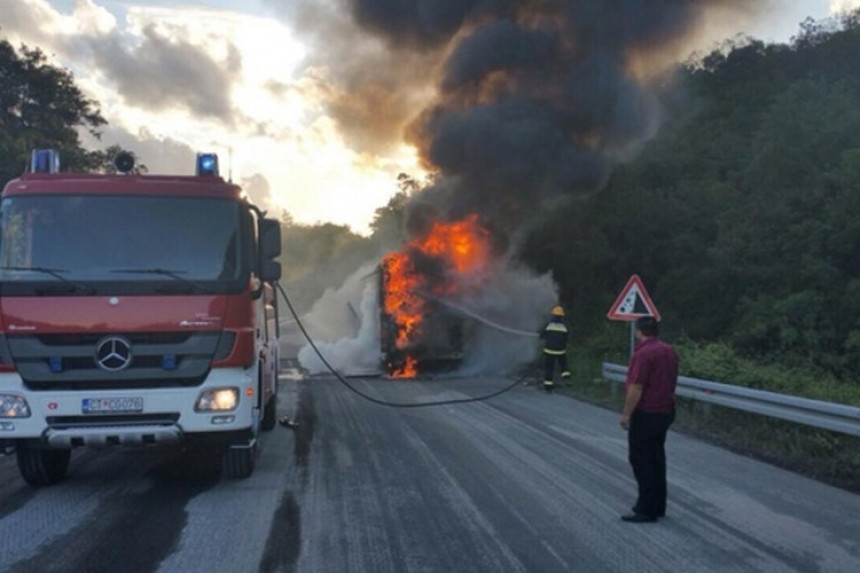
40 466
238 463
270 414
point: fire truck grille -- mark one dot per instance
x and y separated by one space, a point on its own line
141 360
65 422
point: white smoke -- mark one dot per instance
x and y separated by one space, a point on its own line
504 319
344 324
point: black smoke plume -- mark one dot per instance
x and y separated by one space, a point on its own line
536 98
516 105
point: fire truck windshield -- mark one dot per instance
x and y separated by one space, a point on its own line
122 243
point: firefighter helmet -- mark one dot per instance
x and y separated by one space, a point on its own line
557 311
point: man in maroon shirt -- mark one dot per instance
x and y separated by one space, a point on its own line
649 410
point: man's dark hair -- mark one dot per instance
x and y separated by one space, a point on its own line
648 326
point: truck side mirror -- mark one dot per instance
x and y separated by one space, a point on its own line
270 270
270 239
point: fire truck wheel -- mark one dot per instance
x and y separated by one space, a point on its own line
270 415
238 463
40 466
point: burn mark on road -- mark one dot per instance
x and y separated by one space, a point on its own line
306 420
285 537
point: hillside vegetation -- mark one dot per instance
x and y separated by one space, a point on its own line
741 216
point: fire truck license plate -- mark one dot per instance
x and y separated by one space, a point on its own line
111 405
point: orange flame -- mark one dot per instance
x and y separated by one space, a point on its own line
400 301
463 244
462 247
408 370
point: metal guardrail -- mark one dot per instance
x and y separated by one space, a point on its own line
816 413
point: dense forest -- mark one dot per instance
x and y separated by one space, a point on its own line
740 215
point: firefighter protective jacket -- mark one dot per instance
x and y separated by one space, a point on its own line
554 335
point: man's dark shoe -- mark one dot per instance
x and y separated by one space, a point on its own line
635 509
639 518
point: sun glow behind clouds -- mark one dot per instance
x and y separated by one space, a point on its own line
319 179
275 125
312 173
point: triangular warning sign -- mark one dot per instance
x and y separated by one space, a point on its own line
633 302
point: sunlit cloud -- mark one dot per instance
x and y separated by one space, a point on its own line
191 79
837 6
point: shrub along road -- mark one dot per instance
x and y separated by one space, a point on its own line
523 482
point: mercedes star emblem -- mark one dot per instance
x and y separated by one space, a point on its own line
113 353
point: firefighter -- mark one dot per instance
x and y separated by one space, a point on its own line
554 335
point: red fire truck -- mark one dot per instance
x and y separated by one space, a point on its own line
134 310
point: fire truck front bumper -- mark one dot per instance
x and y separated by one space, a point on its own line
225 404
113 436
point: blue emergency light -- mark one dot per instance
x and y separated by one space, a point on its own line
45 161
207 164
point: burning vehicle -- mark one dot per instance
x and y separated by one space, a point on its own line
418 331
429 339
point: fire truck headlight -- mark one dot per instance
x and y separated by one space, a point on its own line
217 400
13 406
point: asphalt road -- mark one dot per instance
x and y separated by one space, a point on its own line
523 482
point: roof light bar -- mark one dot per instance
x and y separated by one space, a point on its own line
45 161
207 164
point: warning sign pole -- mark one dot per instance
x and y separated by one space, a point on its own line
632 338
633 303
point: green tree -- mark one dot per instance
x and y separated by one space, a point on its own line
741 214
787 237
42 107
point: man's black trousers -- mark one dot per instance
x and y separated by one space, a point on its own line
646 440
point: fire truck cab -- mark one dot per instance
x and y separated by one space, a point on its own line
134 310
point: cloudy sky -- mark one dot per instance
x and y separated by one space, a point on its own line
307 108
